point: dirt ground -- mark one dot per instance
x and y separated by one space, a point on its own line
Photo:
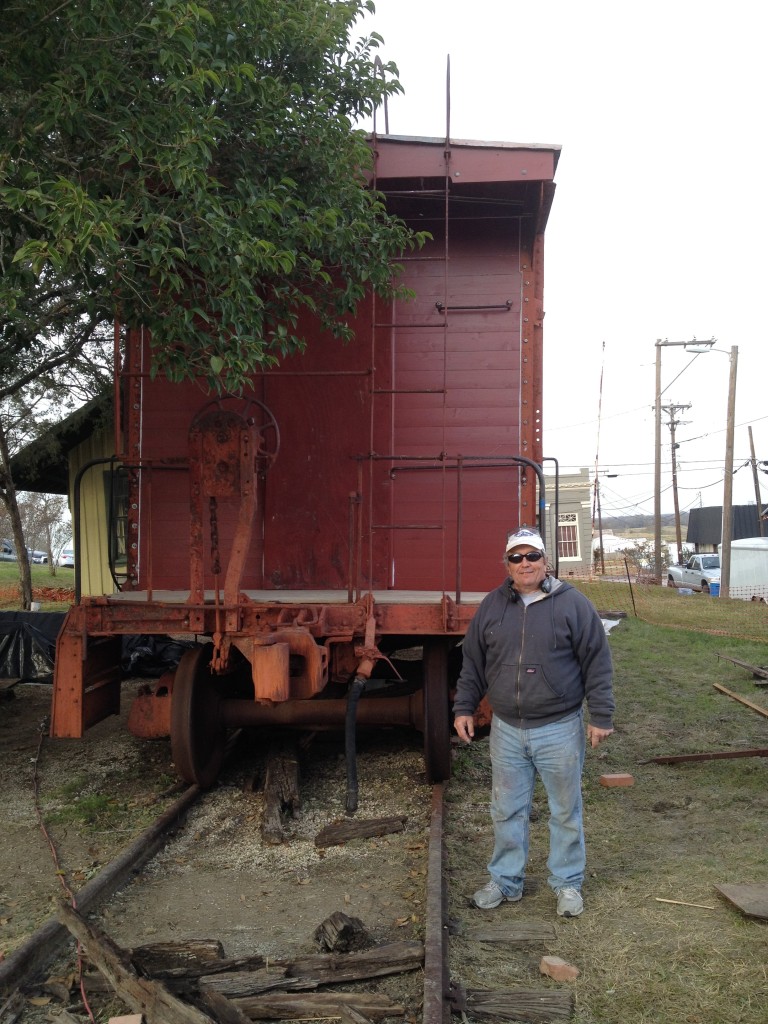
657 944
216 879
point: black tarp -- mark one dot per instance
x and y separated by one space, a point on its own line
148 655
28 644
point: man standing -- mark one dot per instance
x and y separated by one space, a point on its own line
536 648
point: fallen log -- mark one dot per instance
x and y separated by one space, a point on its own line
294 1006
339 832
142 995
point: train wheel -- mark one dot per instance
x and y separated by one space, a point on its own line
437 712
197 738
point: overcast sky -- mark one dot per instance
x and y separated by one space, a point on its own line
660 219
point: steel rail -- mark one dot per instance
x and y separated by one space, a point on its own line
436 1006
29 959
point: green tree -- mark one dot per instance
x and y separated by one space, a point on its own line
189 167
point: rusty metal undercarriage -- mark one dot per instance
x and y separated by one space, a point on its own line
262 658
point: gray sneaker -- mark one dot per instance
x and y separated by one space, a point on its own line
569 902
491 896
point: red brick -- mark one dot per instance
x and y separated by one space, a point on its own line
558 969
619 779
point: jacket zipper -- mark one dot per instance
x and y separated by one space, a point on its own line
520 663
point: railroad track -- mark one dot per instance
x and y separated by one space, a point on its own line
171 869
396 883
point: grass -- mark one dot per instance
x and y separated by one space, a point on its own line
43 580
679 831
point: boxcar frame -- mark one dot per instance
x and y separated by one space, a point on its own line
354 505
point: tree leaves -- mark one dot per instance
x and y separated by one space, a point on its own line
191 167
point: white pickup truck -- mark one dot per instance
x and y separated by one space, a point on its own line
697 573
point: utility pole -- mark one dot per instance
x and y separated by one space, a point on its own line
756 482
696 347
671 411
727 530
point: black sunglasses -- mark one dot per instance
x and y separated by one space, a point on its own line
529 556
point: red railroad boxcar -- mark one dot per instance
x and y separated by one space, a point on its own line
356 503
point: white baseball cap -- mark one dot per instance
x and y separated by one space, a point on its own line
525 537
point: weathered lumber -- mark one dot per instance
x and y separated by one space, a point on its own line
349 1015
171 960
533 1005
751 897
319 969
741 700
293 1005
344 831
340 933
12 1008
756 670
29 959
333 968
517 933
142 995
159 958
714 756
223 1010
281 791
251 983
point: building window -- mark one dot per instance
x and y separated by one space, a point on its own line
568 535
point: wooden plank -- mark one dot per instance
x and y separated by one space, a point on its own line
238 984
741 700
751 898
295 1006
532 1005
756 670
713 756
333 968
339 832
150 998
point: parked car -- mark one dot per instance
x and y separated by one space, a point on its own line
67 558
38 557
7 552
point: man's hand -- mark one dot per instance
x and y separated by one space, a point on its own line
595 735
465 727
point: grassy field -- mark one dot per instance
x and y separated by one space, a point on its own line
61 581
673 836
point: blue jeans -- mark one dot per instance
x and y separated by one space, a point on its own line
556 753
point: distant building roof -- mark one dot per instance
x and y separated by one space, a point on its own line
705 524
43 466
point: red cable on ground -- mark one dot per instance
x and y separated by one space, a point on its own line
60 873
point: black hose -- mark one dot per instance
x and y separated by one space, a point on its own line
350 740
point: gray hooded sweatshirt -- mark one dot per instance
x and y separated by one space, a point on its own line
537 662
